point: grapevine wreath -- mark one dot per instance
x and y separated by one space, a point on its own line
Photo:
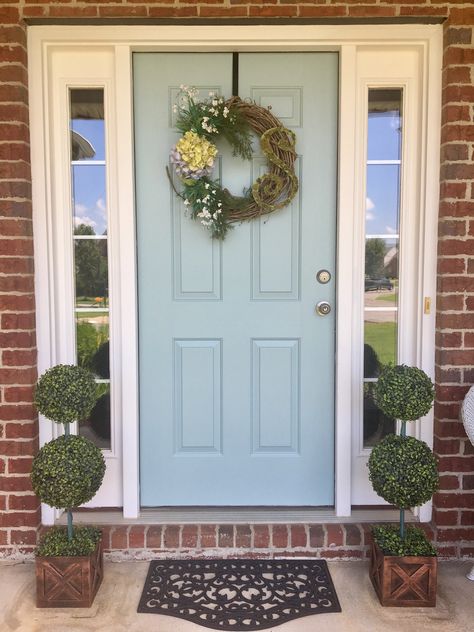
193 157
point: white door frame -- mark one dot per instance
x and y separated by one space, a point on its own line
46 41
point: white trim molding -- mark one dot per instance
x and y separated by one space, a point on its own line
112 48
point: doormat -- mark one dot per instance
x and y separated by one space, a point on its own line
238 594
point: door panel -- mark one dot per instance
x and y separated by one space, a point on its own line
236 368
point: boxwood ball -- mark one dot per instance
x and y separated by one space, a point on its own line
404 392
403 471
66 393
67 471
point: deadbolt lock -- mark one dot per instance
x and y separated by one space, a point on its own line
323 276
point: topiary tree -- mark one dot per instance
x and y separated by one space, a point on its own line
69 470
403 470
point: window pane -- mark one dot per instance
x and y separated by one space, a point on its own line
92 343
97 426
92 281
382 204
87 124
376 424
385 124
380 338
89 199
381 272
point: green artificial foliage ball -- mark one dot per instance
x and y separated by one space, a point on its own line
67 472
404 392
403 471
66 393
55 542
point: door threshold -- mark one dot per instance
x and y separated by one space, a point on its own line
236 515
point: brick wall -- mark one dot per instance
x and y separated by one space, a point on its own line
454 505
19 509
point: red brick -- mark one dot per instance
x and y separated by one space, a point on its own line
455 151
279 536
306 11
118 538
469 302
446 551
261 536
462 16
461 357
13 208
454 501
353 534
173 12
122 11
454 535
448 482
447 376
223 12
445 518
335 535
373 12
448 339
106 531
171 537
72 12
20 466
456 464
17 376
280 11
467 518
18 448
208 536
16 227
26 502
457 74
19 357
452 228
3 503
153 537
17 394
189 536
298 536
456 246
18 412
316 536
15 484
17 284
18 322
27 536
447 411
468 482
226 535
451 393
243 536
458 35
13 303
450 190
19 519
136 537
466 551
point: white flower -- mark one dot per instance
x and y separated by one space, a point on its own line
187 202
207 185
225 112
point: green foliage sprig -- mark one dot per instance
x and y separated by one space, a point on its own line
415 541
55 542
403 471
404 392
67 471
66 393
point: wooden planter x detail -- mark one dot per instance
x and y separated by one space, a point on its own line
69 582
403 581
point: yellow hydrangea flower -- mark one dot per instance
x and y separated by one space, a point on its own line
196 151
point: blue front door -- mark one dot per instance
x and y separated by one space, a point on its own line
236 365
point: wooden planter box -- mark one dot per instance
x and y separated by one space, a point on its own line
69 582
403 581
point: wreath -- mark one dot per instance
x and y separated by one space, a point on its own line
194 155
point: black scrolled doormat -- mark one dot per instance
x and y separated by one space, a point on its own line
238 594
